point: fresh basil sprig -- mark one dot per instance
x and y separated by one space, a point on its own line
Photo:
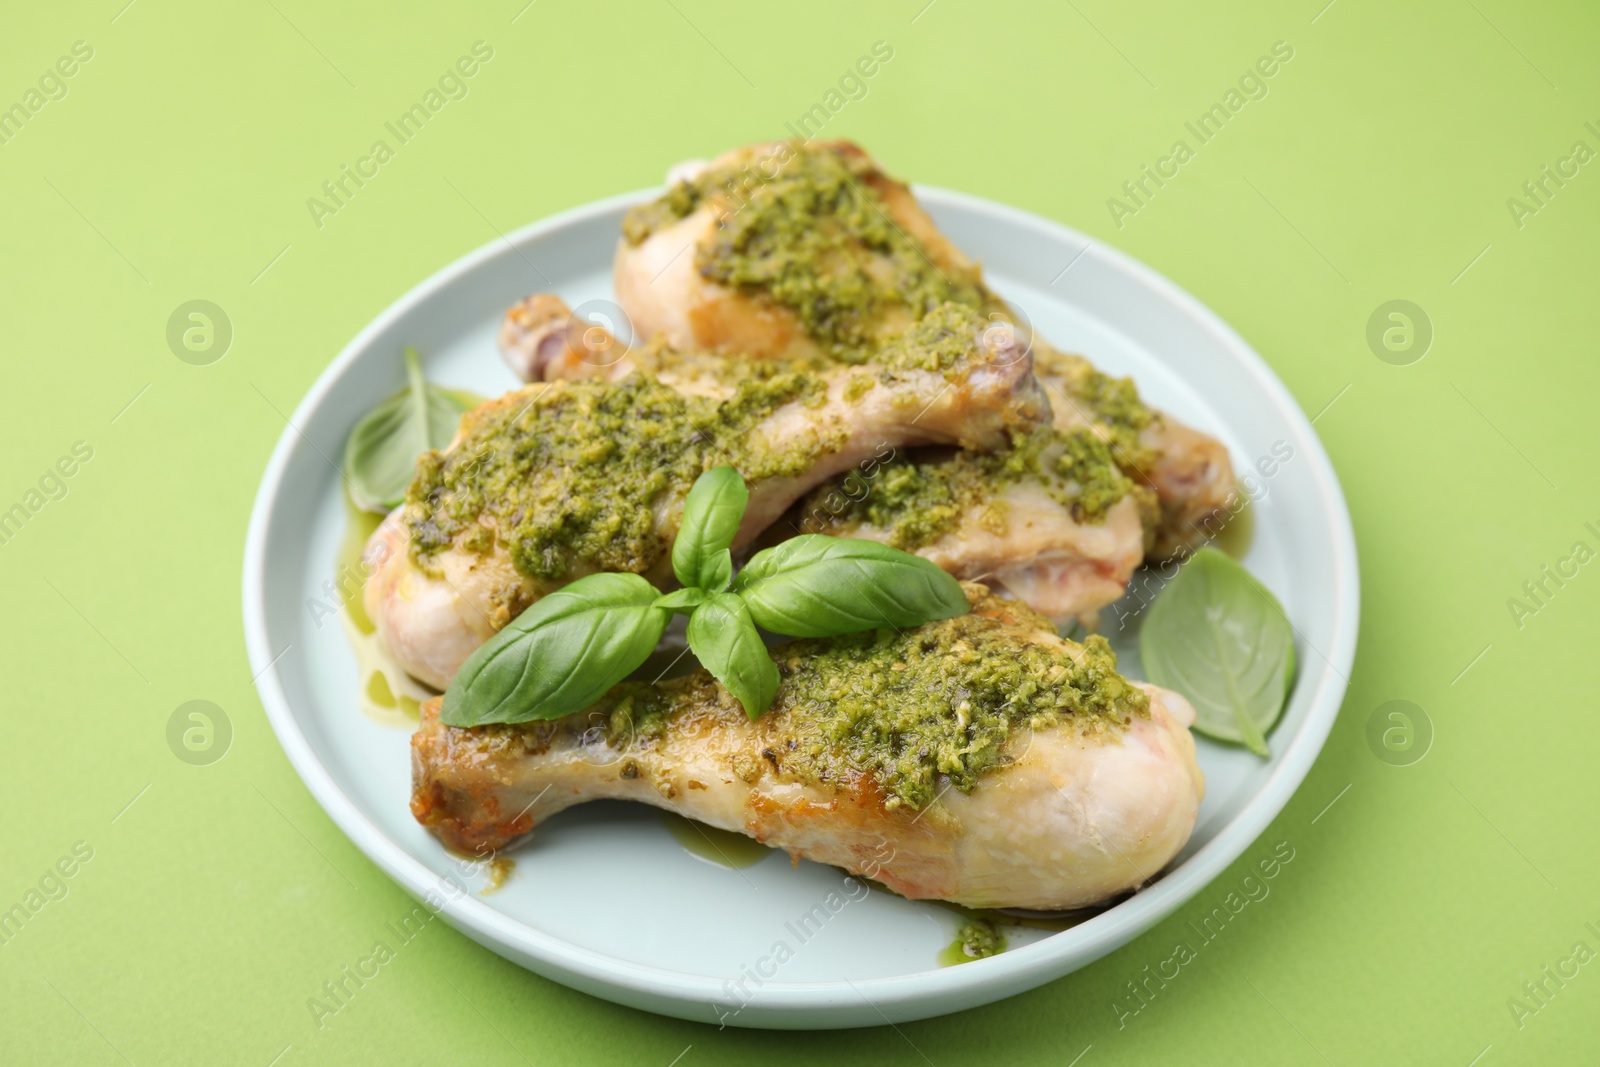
380 456
565 651
1217 636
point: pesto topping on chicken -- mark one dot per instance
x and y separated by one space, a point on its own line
570 475
950 340
945 340
678 202
940 700
630 712
1080 393
815 237
921 496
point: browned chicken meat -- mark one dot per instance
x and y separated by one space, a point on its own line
981 759
789 248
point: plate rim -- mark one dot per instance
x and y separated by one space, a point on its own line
784 1003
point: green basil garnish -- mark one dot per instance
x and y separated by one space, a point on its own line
380 456
684 601
726 642
711 516
564 652
1217 636
560 655
817 586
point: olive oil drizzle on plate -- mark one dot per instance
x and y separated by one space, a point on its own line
386 693
1235 538
722 848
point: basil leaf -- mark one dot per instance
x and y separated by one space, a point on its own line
380 456
717 574
711 516
725 641
1218 637
683 601
560 655
818 586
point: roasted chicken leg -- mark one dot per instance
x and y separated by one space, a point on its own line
981 760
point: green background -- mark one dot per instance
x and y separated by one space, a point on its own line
220 897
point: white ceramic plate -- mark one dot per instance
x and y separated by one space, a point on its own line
603 898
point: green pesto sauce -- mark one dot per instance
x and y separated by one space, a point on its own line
679 201
630 712
1112 404
950 340
816 238
917 500
946 340
1086 479
975 940
570 474
941 699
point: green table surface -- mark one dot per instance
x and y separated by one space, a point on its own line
1385 160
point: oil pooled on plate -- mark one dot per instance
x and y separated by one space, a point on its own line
386 693
723 848
1236 537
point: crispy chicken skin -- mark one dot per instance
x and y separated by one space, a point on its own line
1068 813
669 279
432 613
